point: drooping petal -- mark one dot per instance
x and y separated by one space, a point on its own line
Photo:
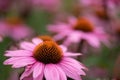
27 46
27 72
73 37
23 62
61 73
51 72
18 53
70 73
72 68
38 70
13 60
77 66
92 40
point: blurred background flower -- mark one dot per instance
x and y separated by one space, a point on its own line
15 28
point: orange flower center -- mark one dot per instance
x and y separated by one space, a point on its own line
48 52
83 25
14 20
45 38
102 14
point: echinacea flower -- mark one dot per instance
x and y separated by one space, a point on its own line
102 14
78 29
43 58
14 28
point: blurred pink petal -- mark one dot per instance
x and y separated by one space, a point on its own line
14 29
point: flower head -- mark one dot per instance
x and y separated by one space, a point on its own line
14 28
102 14
84 25
45 59
78 29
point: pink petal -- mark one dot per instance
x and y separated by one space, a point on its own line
103 38
27 72
77 66
27 46
72 20
4 30
60 27
92 40
59 36
64 49
62 34
23 62
18 53
20 31
72 68
38 70
61 73
75 36
67 42
36 41
13 60
72 54
70 73
40 77
28 78
51 72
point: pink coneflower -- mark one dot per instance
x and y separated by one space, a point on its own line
102 14
45 59
78 29
14 28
